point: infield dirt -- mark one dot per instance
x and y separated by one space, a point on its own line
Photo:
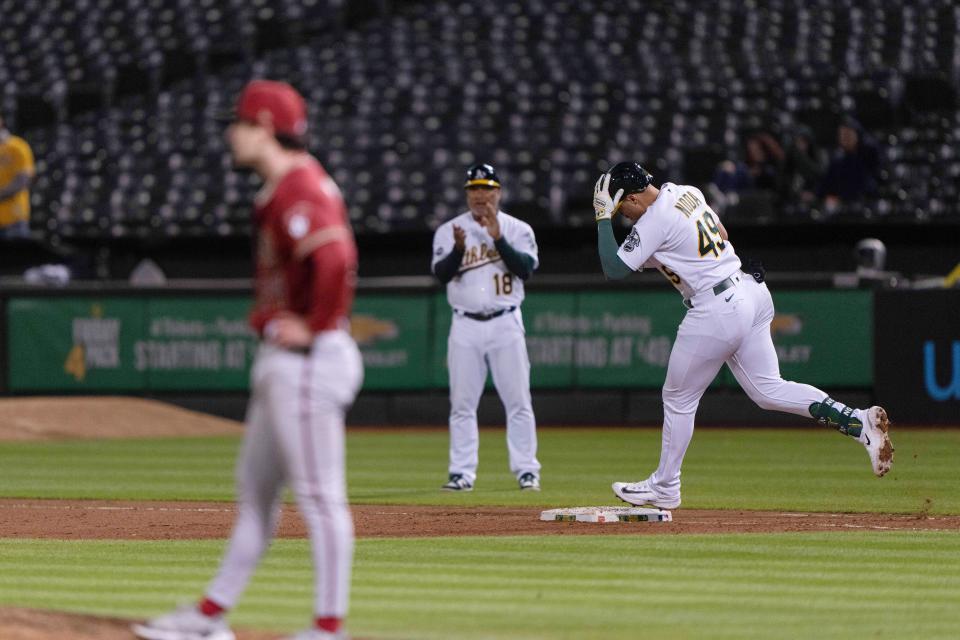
61 418
128 520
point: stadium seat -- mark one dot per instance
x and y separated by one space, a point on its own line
552 92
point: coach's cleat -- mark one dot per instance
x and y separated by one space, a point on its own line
457 483
875 436
529 482
184 623
641 493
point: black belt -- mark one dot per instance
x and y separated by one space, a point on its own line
723 286
718 288
483 317
303 351
300 351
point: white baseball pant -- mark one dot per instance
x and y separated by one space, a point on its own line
472 347
295 436
732 327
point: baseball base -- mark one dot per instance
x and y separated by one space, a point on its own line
606 515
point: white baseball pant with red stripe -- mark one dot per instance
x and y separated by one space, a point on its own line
295 436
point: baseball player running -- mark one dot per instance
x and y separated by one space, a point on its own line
728 321
306 372
484 256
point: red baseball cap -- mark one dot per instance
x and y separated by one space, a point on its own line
276 102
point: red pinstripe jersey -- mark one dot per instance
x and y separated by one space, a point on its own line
305 257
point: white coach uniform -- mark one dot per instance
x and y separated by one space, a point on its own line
487 332
728 321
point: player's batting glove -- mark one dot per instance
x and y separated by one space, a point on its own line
603 205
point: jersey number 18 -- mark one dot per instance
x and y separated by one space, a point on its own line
503 283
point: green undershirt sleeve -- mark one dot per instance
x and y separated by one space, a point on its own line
519 263
446 268
613 267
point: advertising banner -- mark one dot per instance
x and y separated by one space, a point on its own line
624 338
918 355
195 344
393 332
186 344
551 338
68 344
824 338
575 339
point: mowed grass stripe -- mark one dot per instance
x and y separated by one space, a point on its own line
71 578
736 586
680 593
795 470
674 592
822 545
813 547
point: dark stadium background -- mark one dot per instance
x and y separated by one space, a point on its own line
119 99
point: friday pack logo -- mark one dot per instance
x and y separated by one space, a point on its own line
96 344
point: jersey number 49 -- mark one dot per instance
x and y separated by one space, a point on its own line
708 236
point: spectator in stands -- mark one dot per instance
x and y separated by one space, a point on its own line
731 177
761 168
761 172
16 173
764 161
854 168
803 166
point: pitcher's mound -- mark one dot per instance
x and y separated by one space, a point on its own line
36 624
33 624
60 418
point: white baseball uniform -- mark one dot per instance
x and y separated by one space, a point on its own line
728 321
483 287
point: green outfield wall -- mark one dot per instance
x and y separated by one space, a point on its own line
578 338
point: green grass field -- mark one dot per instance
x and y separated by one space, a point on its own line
873 585
798 585
815 470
